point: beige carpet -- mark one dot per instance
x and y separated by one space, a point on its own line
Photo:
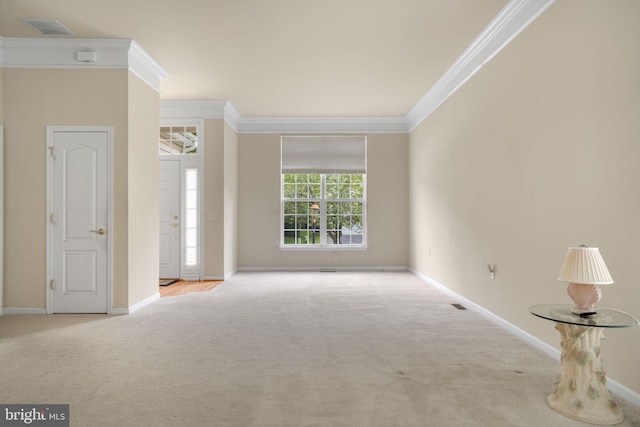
284 349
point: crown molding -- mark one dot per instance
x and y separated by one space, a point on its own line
232 117
505 26
324 125
145 67
126 53
514 17
62 53
203 109
200 109
192 109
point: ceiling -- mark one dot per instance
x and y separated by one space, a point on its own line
281 58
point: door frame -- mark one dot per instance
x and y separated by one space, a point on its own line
197 162
50 132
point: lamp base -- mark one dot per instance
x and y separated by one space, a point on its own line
584 297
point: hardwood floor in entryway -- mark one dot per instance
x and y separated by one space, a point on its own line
185 287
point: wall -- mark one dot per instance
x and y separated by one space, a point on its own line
230 200
33 99
1 95
220 199
259 207
214 199
143 191
2 192
538 152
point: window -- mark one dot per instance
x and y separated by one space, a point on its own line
323 191
191 217
178 140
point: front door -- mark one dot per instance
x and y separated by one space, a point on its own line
170 219
78 184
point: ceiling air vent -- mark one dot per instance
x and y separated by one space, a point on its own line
48 27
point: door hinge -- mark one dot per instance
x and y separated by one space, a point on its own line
52 218
51 284
52 151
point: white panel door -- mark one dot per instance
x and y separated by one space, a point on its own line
170 219
79 221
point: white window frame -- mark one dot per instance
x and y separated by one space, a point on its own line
190 161
323 155
322 214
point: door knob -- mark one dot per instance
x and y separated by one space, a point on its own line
174 225
99 231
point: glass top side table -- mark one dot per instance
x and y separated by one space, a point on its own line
582 393
604 318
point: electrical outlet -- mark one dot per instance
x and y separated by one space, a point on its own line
492 271
335 256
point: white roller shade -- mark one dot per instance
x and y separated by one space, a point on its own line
324 154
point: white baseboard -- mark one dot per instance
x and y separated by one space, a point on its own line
614 386
214 278
24 310
137 306
325 268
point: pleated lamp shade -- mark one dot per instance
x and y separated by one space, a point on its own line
585 265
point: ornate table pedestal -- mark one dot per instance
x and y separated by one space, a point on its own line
582 393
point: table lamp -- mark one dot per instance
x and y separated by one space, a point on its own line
585 270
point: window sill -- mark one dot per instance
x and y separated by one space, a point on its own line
332 248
